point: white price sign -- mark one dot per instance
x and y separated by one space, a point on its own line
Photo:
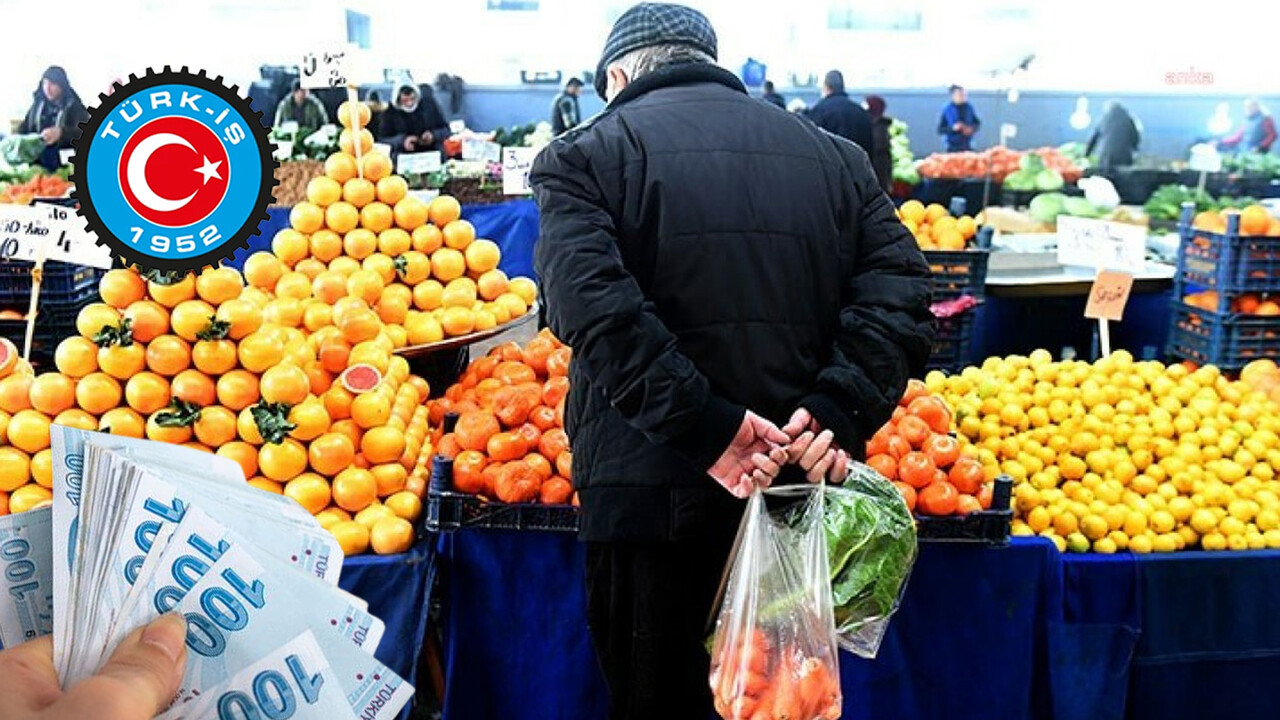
481 149
1102 244
324 69
28 230
418 163
516 163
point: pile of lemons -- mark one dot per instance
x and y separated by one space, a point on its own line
1122 455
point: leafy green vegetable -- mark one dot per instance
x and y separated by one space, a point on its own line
1166 202
871 548
19 149
1049 179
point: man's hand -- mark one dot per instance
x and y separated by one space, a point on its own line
815 449
754 457
427 138
137 683
410 143
51 135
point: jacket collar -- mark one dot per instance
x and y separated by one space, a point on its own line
682 74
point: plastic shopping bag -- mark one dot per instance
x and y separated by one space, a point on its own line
871 545
773 655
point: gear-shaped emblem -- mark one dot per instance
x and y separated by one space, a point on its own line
173 170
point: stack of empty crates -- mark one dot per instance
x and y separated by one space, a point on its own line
956 273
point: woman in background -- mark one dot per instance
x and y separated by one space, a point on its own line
880 152
55 115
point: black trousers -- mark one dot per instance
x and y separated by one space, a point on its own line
648 607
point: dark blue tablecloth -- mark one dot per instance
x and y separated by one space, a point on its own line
397 588
512 224
992 633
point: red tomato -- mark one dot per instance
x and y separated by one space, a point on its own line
967 476
944 450
916 469
938 499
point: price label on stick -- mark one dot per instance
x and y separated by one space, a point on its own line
324 68
1102 244
516 163
1109 295
27 231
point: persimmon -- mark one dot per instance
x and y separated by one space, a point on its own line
556 491
468 467
564 464
967 504
558 362
879 443
908 494
555 390
518 483
485 390
448 446
540 464
512 406
543 418
514 373
915 389
507 446
475 428
530 434
553 443
537 353
984 495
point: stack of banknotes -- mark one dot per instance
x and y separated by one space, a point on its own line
138 529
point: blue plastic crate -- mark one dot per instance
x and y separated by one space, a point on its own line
951 344
61 282
958 272
1227 262
1227 340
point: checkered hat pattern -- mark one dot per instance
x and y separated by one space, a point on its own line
649 24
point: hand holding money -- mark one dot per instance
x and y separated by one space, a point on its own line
140 529
138 681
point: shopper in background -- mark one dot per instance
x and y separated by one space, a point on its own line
959 122
565 113
137 683
713 290
770 95
414 123
839 115
1116 138
1257 134
55 115
881 153
301 107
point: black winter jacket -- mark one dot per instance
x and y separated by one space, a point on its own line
397 123
839 115
704 253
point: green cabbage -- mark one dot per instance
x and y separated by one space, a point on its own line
1049 180
1046 207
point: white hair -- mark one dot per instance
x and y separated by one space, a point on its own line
638 63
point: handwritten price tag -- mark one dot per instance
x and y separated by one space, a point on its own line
1102 244
418 163
24 229
1109 295
324 69
516 163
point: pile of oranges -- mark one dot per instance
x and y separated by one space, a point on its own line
1121 455
915 450
1246 304
509 442
1255 221
936 229
288 368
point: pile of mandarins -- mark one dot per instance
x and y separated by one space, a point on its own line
288 368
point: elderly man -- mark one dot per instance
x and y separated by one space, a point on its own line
739 296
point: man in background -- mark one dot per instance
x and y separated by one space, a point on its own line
959 122
565 113
839 115
1257 134
771 96
725 302
414 123
1116 138
300 107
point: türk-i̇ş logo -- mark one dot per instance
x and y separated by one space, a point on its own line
173 171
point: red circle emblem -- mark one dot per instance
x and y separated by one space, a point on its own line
174 171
